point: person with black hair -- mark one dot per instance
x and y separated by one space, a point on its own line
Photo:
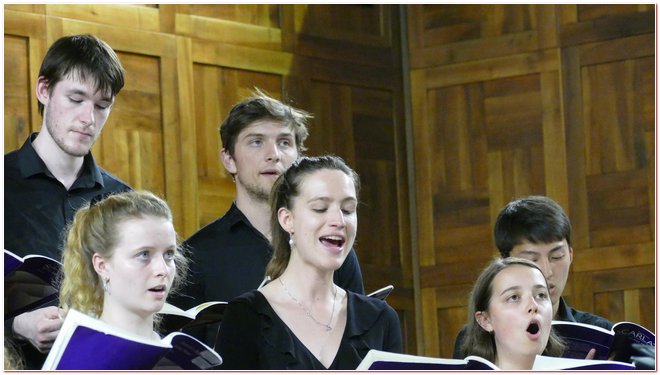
536 228
54 174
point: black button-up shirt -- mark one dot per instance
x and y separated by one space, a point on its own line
38 207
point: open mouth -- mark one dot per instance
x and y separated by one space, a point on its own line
335 241
533 328
158 289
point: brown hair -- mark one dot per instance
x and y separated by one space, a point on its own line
285 190
478 341
257 107
84 55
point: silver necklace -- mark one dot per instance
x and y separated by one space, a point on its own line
327 326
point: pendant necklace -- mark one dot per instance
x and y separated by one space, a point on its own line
327 326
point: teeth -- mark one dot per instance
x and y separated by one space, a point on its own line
334 238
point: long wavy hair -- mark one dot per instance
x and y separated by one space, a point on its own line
478 341
94 230
285 190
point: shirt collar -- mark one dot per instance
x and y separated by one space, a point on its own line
30 164
564 312
236 217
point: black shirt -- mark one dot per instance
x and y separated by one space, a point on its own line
253 337
229 258
38 209
564 313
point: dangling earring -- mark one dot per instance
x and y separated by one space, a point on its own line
291 243
106 285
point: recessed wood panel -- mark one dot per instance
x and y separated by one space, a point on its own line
217 89
266 15
513 100
17 92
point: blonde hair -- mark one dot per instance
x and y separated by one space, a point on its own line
94 230
13 359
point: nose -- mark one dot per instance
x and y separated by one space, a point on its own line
272 152
533 307
160 267
87 115
337 218
545 266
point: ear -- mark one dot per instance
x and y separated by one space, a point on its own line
285 218
43 95
100 265
570 254
483 319
228 161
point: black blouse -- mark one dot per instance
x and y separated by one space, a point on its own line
253 337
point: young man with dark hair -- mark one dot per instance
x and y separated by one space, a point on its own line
261 137
536 228
53 173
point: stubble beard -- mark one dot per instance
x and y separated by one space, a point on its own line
60 142
254 191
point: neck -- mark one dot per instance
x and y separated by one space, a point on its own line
63 166
139 325
256 211
310 283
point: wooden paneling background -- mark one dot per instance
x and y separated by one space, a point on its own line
512 100
188 64
507 100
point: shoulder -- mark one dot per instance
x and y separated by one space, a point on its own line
11 158
573 314
251 302
589 318
212 231
112 182
363 305
11 165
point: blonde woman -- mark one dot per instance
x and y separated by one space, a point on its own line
121 260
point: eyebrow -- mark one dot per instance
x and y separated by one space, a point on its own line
534 252
326 199
510 289
518 287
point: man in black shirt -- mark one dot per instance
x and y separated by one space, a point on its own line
261 138
53 173
536 228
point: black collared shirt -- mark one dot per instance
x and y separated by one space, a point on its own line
38 207
568 314
230 257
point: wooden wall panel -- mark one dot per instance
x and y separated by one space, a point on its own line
512 100
17 90
187 64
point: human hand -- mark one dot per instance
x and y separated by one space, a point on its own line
591 354
39 327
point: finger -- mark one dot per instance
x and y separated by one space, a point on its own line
51 312
591 354
49 326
